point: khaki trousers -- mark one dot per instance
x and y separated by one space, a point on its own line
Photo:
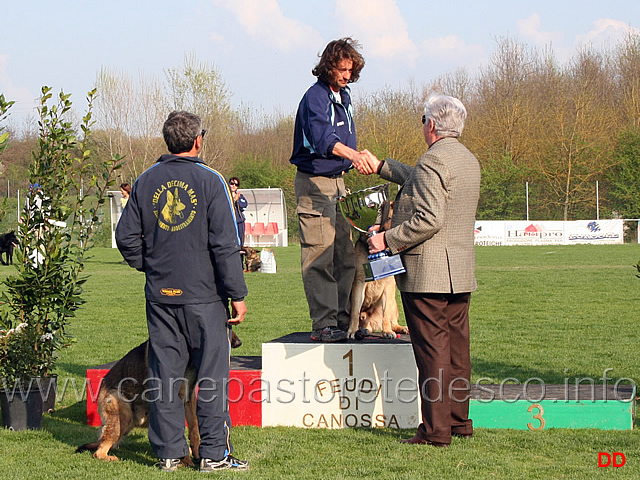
328 261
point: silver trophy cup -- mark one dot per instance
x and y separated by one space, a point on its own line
362 209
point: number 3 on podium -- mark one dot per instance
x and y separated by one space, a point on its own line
537 416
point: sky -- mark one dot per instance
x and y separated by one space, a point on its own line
265 49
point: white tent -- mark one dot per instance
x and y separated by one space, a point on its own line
266 224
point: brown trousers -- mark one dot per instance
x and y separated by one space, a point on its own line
439 329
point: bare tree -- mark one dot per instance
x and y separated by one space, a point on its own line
457 84
269 138
504 108
130 116
580 130
627 64
200 88
389 124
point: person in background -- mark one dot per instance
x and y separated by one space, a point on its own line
38 216
179 229
432 230
125 190
239 203
324 149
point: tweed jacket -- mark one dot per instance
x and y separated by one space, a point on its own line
434 217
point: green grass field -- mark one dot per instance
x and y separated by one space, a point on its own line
546 312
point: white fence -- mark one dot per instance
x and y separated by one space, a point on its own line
523 232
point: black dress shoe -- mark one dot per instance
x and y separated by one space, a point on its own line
423 441
462 435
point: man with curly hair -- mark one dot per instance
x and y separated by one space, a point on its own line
324 150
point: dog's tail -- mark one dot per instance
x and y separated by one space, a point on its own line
235 340
87 447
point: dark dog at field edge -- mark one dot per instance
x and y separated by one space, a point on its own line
252 262
122 407
373 304
8 242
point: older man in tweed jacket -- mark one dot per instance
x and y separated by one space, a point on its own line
432 229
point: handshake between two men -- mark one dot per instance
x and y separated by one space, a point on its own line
367 163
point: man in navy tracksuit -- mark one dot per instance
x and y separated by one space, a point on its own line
179 228
324 149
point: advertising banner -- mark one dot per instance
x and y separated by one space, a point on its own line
595 231
522 232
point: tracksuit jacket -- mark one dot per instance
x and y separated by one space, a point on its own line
321 122
180 229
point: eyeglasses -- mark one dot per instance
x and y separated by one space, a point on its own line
203 132
424 119
233 183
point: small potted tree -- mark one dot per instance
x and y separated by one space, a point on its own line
55 231
21 367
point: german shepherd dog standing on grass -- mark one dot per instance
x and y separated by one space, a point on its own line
252 262
122 406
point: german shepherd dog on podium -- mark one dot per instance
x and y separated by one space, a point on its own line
373 304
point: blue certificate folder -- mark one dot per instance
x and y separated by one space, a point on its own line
382 266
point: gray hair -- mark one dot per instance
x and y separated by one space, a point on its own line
447 113
180 130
